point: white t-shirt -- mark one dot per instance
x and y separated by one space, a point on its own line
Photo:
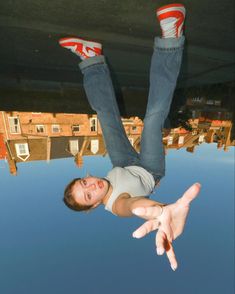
133 180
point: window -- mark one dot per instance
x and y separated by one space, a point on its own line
170 140
73 146
55 128
94 146
181 140
210 102
134 128
22 149
14 123
201 139
40 129
76 128
193 113
93 124
197 99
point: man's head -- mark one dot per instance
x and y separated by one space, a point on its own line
86 193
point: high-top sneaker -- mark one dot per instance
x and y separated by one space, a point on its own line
171 18
83 48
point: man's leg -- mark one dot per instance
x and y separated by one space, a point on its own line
165 67
100 93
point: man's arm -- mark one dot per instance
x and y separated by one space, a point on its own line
125 204
170 223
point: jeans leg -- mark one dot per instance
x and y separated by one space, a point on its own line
165 67
100 93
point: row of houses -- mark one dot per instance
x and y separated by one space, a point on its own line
32 136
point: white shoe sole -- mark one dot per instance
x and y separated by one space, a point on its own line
81 41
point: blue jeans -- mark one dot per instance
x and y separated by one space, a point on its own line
165 66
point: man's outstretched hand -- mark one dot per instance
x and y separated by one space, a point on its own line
170 223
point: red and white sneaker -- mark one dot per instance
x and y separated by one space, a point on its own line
83 48
171 19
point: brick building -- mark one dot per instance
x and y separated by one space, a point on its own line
30 136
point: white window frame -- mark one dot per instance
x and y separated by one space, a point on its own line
40 126
197 99
201 138
15 127
53 127
75 126
20 153
93 125
73 147
181 140
95 145
170 140
217 102
210 102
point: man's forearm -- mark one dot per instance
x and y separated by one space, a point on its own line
158 206
124 206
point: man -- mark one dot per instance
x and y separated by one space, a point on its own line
126 188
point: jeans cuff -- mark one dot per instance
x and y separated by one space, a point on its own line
168 43
91 61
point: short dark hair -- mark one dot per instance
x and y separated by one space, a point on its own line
69 198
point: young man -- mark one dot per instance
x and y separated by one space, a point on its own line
127 186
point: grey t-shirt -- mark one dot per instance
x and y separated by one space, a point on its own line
133 180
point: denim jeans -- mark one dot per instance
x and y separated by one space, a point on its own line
165 66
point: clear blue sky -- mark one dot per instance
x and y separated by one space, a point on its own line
46 248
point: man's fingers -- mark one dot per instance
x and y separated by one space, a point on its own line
168 231
163 245
146 228
148 212
160 242
171 256
190 194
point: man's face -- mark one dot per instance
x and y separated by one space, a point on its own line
90 190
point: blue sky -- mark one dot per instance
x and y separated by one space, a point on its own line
46 248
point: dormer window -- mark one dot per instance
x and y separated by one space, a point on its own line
22 151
